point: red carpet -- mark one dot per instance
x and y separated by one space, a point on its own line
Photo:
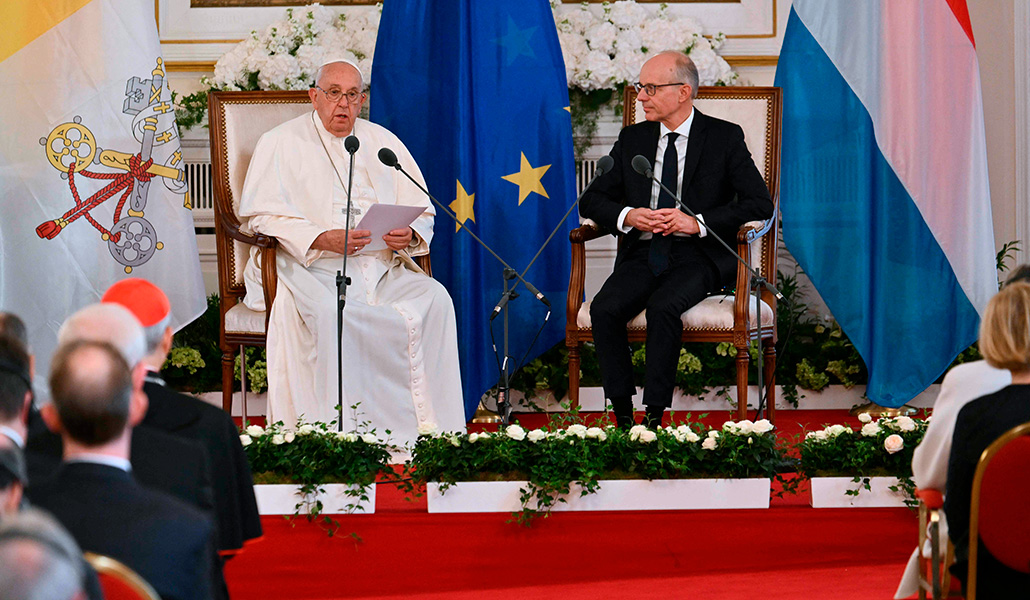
786 551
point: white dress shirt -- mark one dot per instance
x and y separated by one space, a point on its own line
681 156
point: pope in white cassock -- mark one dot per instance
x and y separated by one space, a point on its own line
400 352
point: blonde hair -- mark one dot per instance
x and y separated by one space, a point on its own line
1005 330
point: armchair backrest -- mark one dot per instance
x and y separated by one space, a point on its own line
237 120
759 112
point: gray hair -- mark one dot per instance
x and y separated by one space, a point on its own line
39 560
107 322
685 70
155 334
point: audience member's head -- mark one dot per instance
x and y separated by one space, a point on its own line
12 479
151 308
109 323
39 560
1005 330
15 385
12 326
1020 273
92 395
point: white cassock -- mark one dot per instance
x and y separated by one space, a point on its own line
400 351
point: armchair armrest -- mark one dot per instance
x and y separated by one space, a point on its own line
578 273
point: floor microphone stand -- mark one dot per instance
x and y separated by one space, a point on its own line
388 158
342 281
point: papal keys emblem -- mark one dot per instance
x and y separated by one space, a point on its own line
72 147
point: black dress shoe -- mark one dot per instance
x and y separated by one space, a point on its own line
653 417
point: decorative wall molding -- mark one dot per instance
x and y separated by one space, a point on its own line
1021 81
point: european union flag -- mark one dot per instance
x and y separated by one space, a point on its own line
476 90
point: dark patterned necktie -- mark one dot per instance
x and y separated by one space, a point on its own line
658 259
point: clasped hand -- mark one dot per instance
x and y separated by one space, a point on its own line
663 221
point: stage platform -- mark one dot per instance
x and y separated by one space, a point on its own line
789 550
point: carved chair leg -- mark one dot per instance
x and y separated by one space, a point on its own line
743 361
227 379
769 374
574 360
243 383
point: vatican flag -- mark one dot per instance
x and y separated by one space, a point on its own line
92 187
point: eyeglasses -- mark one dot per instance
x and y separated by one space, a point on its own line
652 88
336 94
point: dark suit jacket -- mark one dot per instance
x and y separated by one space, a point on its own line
165 541
188 418
720 182
978 424
160 461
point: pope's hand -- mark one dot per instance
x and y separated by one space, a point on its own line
398 239
334 240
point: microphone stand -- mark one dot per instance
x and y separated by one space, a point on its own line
342 281
757 280
388 158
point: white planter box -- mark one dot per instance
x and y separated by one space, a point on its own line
831 492
282 499
622 494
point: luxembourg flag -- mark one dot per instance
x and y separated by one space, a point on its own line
885 197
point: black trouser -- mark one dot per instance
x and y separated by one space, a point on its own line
631 288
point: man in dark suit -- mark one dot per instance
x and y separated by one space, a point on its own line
667 261
93 493
188 418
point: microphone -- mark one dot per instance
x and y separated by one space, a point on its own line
351 144
389 158
643 166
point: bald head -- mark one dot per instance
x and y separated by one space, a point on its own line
110 323
91 387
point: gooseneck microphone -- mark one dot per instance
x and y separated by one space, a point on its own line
389 158
643 166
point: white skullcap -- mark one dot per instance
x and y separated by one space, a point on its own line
339 58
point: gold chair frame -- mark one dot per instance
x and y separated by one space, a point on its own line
105 565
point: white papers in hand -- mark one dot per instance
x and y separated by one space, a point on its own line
381 219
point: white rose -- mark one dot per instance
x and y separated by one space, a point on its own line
763 426
277 439
729 426
822 435
454 440
473 438
341 435
351 437
870 429
679 435
578 430
713 434
745 427
426 428
690 436
515 432
709 444
635 431
648 436
810 435
905 423
536 435
484 434
255 431
595 433
835 430
865 417
893 443
245 440
305 430
289 436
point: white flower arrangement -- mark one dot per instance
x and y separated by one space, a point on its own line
603 48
